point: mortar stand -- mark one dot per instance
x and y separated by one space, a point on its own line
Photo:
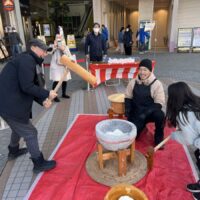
121 155
111 114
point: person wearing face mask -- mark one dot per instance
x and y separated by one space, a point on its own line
19 88
56 68
128 42
144 99
95 45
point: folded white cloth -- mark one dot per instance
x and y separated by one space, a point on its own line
121 60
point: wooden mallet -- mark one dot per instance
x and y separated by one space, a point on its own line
151 151
65 60
59 83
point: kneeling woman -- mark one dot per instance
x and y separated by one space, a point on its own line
183 111
144 99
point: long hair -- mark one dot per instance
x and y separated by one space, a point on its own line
181 99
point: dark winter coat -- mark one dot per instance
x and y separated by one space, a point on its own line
95 46
18 87
128 38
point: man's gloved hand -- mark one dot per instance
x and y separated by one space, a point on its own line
142 116
156 106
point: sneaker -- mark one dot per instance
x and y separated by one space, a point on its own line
194 187
196 196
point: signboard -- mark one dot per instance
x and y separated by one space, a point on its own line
184 37
196 37
149 26
46 30
71 42
8 5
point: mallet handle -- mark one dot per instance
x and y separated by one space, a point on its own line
162 143
61 80
78 70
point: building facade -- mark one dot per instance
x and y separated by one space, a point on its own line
168 15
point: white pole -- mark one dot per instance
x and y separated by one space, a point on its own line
155 40
19 22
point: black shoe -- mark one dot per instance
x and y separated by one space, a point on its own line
65 96
40 164
194 187
57 99
15 152
196 196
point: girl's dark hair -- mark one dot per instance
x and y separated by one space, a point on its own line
121 29
181 99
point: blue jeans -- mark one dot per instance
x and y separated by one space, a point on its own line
16 49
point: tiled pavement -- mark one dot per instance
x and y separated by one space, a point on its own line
17 175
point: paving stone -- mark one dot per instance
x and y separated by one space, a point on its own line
12 194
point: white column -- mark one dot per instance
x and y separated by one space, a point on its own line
12 18
173 28
146 9
1 28
97 11
19 23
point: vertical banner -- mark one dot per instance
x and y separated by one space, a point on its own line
71 42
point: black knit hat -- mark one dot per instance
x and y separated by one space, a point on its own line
146 63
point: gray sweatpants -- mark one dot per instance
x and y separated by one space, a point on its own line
26 131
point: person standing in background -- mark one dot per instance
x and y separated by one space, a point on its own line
95 45
15 41
128 40
105 34
120 41
56 68
142 36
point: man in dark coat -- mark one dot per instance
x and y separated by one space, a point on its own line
95 45
19 88
15 41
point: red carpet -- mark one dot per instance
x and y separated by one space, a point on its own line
69 180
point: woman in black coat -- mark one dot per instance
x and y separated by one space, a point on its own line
128 40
